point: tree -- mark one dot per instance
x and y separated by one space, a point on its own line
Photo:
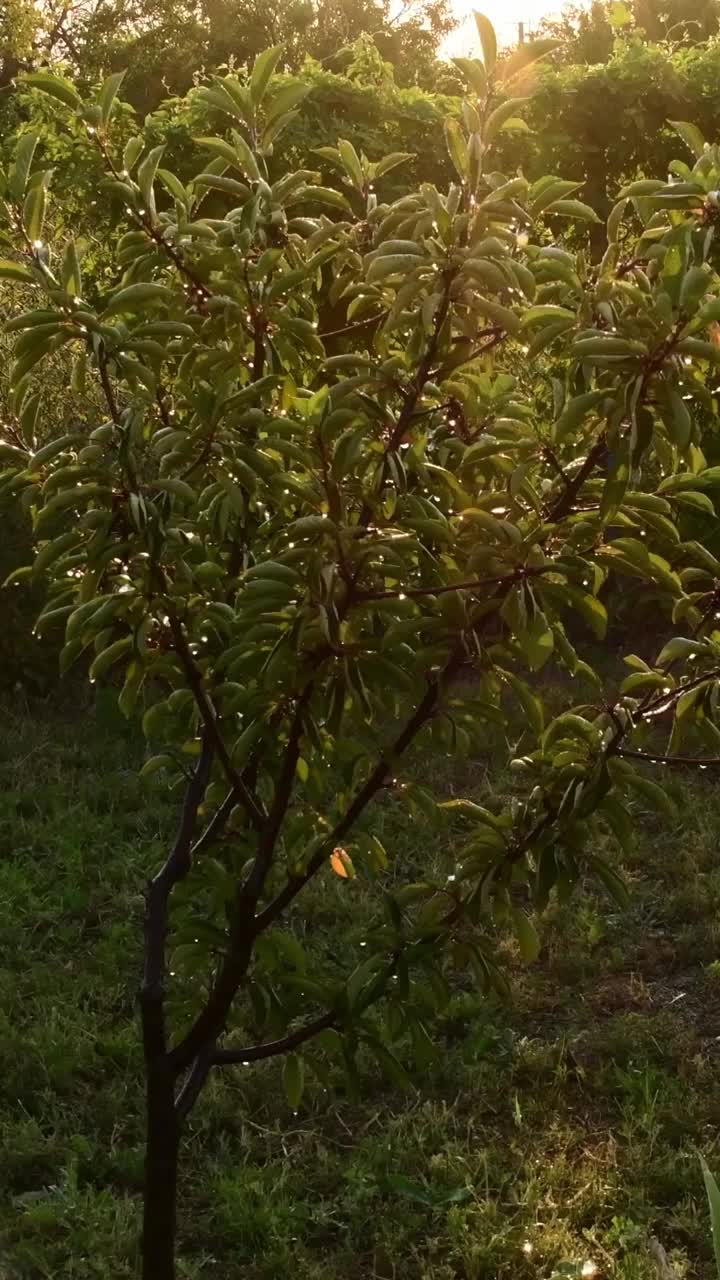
587 34
300 566
163 45
680 21
18 26
584 34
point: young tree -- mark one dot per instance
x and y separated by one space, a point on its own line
301 565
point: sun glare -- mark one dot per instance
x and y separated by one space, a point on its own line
511 19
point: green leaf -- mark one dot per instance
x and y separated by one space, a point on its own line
146 175
695 285
221 97
642 187
591 610
263 67
284 99
388 1061
677 419
713 1195
34 211
474 72
546 191
457 147
20 170
52 551
293 1079
678 647
71 273
15 271
502 316
531 705
608 346
697 501
108 94
614 883
573 209
575 411
351 161
547 334
500 116
221 148
488 40
654 794
132 152
138 297
527 936
690 135
515 124
537 641
392 161
55 86
156 763
547 313
107 657
392 264
245 157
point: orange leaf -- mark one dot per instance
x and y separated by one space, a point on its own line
341 863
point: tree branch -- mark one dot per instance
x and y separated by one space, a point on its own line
193 1086
209 719
475 584
678 762
661 702
273 1049
563 505
211 1021
157 897
415 389
358 324
281 799
107 387
216 825
374 783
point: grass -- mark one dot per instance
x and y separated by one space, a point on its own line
560 1128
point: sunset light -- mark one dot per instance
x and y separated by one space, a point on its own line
509 17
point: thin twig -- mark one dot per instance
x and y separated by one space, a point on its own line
374 783
207 713
475 584
678 762
215 827
358 324
281 799
194 1084
257 1052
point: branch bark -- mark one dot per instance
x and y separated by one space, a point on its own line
175 868
207 713
273 1049
210 1023
374 783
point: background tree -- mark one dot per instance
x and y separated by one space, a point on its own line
584 34
680 21
162 47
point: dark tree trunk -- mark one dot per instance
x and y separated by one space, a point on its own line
161 1168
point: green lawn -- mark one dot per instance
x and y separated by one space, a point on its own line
562 1127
